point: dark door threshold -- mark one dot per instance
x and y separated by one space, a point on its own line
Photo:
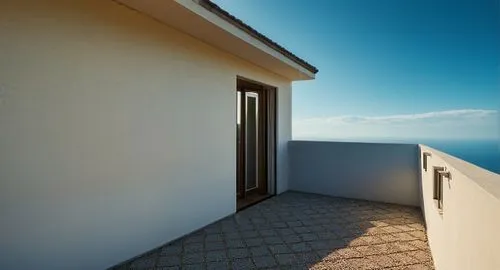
250 200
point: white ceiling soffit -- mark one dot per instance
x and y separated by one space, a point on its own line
190 17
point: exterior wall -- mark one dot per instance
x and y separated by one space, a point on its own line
369 171
465 236
117 133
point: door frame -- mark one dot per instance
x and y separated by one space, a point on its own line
267 129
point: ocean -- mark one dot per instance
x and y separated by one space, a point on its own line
483 153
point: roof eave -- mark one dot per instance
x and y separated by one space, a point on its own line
208 23
214 8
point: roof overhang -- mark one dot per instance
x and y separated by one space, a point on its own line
209 23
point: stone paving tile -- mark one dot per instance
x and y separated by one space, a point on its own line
194 258
170 250
260 251
169 261
265 262
143 263
243 263
285 259
216 256
232 243
301 231
236 253
214 245
193 247
217 265
280 249
403 258
254 242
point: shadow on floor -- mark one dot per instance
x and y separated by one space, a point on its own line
301 231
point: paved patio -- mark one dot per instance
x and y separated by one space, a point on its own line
302 231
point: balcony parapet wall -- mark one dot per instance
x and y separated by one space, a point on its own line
463 221
370 171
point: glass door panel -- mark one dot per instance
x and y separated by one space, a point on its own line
252 140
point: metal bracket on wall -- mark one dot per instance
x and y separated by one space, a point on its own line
425 155
446 174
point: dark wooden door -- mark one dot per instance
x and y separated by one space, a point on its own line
252 141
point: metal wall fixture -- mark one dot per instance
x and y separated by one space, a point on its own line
439 174
424 157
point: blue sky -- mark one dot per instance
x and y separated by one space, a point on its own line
388 68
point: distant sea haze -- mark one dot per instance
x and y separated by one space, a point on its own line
483 153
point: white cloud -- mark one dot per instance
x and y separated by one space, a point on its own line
452 124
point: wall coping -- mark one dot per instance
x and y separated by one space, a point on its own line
487 180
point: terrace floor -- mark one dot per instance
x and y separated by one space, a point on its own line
301 231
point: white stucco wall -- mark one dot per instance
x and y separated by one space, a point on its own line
370 171
466 235
117 133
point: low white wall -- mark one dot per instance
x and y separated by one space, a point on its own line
466 235
369 171
117 133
